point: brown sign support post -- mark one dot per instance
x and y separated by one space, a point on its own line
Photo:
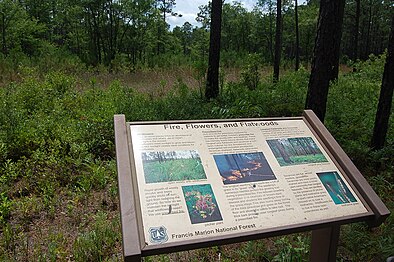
257 159
131 242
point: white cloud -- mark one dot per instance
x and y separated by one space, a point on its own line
248 4
189 10
190 5
179 21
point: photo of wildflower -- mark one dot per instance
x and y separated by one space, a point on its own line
201 204
336 188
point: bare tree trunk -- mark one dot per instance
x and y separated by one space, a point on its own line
271 37
212 86
278 38
283 153
368 47
160 46
297 51
356 29
3 34
325 64
386 97
307 54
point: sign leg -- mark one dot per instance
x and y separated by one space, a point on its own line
130 234
324 244
136 258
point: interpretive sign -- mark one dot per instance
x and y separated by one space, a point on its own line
196 183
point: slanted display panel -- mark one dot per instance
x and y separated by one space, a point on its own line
213 179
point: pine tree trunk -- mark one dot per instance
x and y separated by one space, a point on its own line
325 63
278 38
356 29
369 25
212 86
386 97
271 37
283 153
297 51
3 35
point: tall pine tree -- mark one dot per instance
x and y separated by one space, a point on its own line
386 97
325 63
297 51
278 39
212 86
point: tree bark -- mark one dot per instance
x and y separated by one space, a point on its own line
271 35
283 153
3 35
368 45
297 51
386 97
325 63
278 38
356 29
212 85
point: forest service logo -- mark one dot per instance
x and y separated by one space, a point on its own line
158 234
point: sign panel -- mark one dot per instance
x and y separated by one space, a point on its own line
217 178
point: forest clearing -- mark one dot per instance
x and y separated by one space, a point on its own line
66 69
59 199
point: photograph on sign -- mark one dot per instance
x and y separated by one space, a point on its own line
242 168
296 151
172 166
201 204
337 189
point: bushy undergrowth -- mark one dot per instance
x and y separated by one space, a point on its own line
57 153
352 105
286 98
351 110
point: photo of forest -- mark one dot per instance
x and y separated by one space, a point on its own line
201 204
296 151
172 166
244 167
337 189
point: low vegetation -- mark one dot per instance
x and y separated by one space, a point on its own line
58 186
173 170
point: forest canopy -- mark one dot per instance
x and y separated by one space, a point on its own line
136 34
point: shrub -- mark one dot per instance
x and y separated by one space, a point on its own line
250 75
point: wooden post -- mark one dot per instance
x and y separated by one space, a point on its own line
324 244
130 235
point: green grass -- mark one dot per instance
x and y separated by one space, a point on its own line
298 160
97 243
173 170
